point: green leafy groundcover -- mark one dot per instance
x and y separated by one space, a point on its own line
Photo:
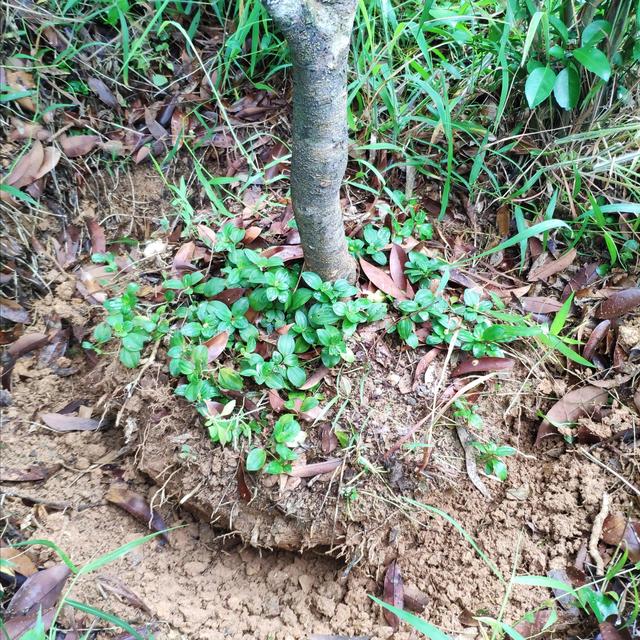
277 322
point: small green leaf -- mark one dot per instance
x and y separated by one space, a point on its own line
229 379
102 332
499 468
296 375
256 459
286 429
539 85
275 467
134 341
130 359
594 60
286 344
312 279
566 89
191 329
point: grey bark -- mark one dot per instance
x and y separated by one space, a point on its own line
318 33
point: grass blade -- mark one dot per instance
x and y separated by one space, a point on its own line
51 545
107 617
417 623
535 230
117 553
462 531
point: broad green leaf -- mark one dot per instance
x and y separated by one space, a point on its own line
539 85
595 32
594 60
229 379
296 375
566 89
312 279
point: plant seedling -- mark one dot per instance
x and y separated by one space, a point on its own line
490 454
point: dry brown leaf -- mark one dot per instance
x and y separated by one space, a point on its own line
207 235
317 376
243 488
23 345
619 304
534 628
26 169
12 311
103 92
551 268
32 473
182 261
286 252
539 304
423 365
574 404
414 599
470 461
597 336
585 276
26 343
20 561
382 281
61 422
216 345
503 220
397 260
23 130
229 296
41 590
96 233
276 152
608 631
481 365
76 146
50 160
393 594
17 626
618 529
19 80
315 469
138 507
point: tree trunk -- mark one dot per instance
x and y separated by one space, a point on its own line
318 33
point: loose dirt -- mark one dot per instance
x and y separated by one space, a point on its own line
233 579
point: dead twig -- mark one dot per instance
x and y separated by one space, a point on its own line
57 506
596 532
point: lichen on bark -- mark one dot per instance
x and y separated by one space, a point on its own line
318 33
